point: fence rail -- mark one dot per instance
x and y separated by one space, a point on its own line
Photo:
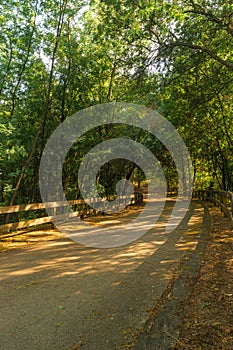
80 208
223 199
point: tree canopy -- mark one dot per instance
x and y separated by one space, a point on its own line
58 57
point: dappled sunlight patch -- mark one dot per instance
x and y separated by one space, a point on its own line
123 216
193 231
141 250
21 239
187 245
230 262
168 261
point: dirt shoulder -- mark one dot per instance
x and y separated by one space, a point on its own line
209 311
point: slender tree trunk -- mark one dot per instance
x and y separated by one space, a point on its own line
46 106
17 85
67 77
110 89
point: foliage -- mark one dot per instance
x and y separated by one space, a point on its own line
58 57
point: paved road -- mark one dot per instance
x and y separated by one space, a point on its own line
57 294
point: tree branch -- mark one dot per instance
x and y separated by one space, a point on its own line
213 55
213 19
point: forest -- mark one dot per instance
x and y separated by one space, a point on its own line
59 57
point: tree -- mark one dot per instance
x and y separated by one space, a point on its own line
61 56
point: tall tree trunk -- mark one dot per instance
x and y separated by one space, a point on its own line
67 77
46 106
24 64
110 88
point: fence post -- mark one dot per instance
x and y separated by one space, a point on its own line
225 203
231 195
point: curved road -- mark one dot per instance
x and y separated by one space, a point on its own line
59 295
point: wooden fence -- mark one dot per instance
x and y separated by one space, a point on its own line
223 199
80 208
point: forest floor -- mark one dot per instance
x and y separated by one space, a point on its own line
208 313
200 318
